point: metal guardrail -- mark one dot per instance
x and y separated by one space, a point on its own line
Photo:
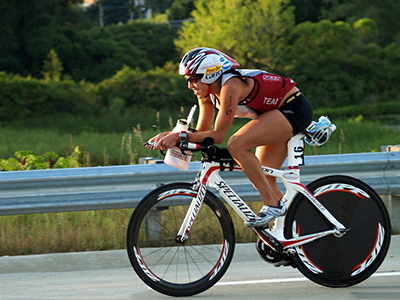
96 188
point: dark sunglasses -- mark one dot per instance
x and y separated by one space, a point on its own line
193 79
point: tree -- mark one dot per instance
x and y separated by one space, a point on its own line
366 29
181 10
158 6
30 28
307 10
121 11
52 67
113 11
254 32
385 13
340 65
100 52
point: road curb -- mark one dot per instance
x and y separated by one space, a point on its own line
113 259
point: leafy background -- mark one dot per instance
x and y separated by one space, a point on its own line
74 93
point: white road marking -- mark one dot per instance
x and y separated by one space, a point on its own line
279 280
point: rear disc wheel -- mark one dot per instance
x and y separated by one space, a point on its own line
347 260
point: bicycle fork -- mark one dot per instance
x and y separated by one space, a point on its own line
184 231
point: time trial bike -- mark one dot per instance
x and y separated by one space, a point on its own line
181 238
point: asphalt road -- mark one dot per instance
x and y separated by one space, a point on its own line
108 275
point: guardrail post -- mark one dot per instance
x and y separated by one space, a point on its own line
150 160
392 202
394 212
153 226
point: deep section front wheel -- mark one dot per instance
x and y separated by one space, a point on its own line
349 259
167 265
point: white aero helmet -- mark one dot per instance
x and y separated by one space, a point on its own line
208 62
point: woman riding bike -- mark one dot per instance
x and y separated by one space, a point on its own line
277 108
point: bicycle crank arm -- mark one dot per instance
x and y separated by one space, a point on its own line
269 239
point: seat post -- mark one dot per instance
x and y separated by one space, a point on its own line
296 151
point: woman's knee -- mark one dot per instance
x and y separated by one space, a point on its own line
235 145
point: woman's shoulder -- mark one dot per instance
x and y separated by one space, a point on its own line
251 72
241 73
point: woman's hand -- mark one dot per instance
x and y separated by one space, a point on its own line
164 140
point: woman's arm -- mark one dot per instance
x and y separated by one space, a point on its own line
229 98
206 115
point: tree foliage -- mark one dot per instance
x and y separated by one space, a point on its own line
113 11
27 98
385 13
181 10
52 67
121 11
338 65
99 53
335 63
307 10
351 59
253 31
30 28
87 52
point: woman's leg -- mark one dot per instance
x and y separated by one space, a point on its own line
270 128
273 156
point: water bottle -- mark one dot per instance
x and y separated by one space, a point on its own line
174 156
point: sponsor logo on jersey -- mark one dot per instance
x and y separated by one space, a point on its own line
271 101
271 78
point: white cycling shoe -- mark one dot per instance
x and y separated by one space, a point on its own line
267 214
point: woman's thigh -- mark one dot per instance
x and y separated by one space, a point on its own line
270 128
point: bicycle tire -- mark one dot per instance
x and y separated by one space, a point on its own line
172 268
340 261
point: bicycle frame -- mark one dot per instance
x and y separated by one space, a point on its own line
209 177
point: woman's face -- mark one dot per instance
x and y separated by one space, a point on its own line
199 89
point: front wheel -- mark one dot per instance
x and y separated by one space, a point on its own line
172 267
347 260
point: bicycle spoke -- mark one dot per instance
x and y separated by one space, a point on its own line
170 267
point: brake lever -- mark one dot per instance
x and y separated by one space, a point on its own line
152 145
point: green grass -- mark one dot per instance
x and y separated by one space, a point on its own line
352 136
98 148
358 136
63 232
104 230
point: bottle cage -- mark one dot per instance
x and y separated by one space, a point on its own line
318 133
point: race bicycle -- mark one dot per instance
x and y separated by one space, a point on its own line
181 238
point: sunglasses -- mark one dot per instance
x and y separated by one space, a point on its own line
193 79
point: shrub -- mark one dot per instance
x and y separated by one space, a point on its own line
26 97
27 160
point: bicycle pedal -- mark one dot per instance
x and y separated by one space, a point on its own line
271 240
283 263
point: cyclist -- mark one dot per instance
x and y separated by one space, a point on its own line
277 109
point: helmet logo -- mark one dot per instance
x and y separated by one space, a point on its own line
226 65
208 62
212 75
214 69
